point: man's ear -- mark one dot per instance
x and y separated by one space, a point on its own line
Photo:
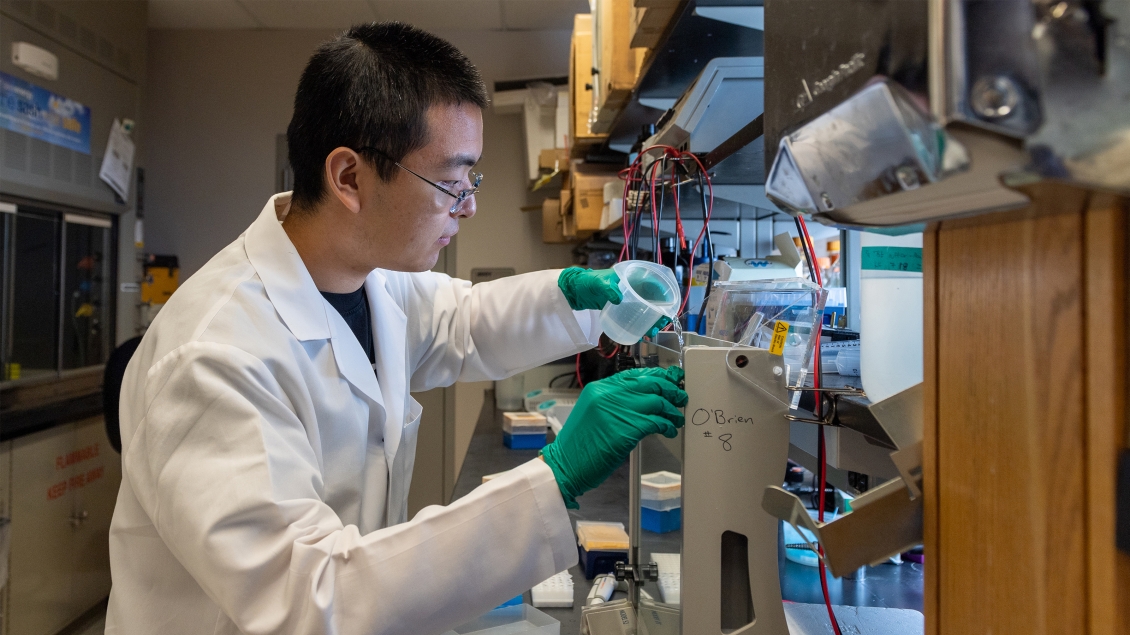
342 165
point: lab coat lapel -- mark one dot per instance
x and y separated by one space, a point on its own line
297 300
389 328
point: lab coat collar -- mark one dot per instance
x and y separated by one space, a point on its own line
297 300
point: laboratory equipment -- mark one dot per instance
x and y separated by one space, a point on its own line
555 592
601 546
942 111
603 586
534 398
731 455
848 362
650 293
726 96
778 315
890 321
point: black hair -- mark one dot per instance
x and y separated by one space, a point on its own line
372 87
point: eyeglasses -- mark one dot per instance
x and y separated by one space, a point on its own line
460 196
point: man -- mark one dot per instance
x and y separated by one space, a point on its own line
267 428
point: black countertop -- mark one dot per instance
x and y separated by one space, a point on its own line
892 586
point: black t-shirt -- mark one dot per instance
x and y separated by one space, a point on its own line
354 309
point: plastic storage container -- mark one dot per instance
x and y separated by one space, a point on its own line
778 315
650 292
509 393
661 501
890 319
511 620
661 522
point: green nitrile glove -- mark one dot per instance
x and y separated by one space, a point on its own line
590 288
654 332
612 416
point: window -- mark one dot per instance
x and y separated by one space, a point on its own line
57 279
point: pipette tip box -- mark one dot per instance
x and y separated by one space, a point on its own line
600 561
524 441
601 545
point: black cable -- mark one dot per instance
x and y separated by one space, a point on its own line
804 249
568 374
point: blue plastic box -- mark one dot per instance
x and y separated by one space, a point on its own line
598 562
661 522
523 441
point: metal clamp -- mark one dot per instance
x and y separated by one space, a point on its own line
637 573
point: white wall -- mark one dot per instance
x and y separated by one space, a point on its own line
215 101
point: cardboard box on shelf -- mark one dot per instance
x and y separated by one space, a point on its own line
552 223
554 159
588 181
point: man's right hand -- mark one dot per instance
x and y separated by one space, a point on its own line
612 416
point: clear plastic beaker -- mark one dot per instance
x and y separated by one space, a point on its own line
650 292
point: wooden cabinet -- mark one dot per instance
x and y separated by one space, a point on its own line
64 485
1025 377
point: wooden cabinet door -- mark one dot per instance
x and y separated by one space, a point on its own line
1025 393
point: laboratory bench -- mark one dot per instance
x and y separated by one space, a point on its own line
887 585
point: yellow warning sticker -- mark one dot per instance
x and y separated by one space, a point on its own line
780 334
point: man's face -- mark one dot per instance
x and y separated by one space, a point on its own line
405 221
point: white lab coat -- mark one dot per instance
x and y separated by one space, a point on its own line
265 469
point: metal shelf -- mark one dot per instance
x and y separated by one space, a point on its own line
690 42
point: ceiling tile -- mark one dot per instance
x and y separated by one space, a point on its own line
199 14
541 14
309 14
435 15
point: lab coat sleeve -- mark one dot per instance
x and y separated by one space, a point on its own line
226 472
492 330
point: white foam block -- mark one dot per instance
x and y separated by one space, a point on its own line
556 592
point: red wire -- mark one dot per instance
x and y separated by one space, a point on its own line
579 382
634 174
600 351
823 576
822 449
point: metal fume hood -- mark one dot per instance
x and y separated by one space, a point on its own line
727 95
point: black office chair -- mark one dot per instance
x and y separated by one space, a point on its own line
112 388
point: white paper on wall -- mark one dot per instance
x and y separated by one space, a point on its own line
117 163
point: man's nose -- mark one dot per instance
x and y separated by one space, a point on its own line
467 208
